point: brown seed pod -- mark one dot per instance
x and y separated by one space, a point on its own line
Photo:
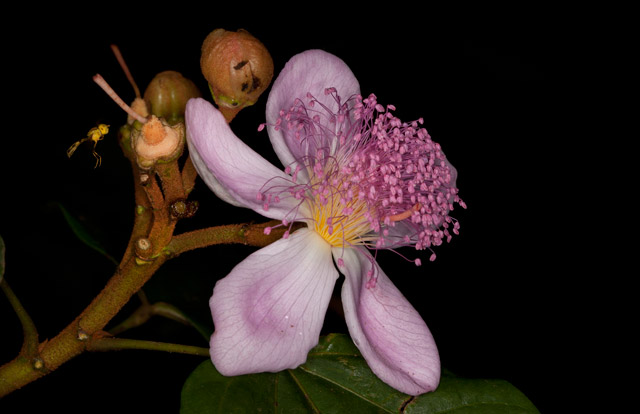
238 68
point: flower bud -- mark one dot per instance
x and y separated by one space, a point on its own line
157 141
237 67
167 95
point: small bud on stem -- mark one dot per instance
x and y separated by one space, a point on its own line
82 335
143 248
183 209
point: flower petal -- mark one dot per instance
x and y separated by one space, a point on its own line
269 310
210 179
389 332
308 72
235 172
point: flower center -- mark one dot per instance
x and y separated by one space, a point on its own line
369 179
339 216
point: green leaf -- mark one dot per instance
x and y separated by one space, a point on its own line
472 396
1 258
172 312
81 233
336 379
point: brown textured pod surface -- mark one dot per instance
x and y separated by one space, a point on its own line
237 67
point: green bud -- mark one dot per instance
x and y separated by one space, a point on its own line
167 96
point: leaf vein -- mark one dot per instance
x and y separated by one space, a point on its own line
307 397
316 374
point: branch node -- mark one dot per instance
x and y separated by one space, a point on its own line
38 364
82 336
183 209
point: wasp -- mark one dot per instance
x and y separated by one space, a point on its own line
95 134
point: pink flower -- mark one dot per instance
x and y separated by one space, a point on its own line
360 179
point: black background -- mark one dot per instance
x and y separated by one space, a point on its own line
487 88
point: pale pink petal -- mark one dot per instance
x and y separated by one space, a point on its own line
269 310
311 72
210 179
232 170
399 233
389 332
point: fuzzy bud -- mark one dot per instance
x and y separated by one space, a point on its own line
237 67
167 95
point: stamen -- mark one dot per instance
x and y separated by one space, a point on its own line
364 172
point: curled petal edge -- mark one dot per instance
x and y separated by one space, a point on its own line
388 331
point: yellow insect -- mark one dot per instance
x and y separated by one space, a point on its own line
95 134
